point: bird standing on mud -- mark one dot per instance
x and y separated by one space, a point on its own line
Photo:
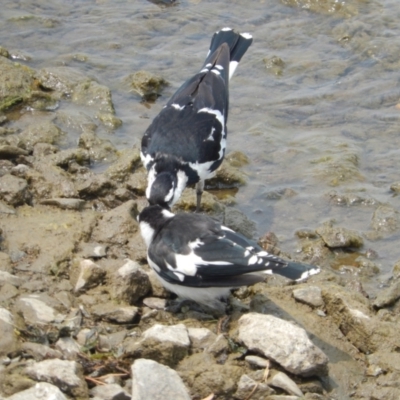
199 259
186 141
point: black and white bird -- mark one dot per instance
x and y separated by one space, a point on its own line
186 141
199 259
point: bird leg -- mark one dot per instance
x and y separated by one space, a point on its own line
199 192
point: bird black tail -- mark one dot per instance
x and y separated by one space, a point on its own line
238 44
293 270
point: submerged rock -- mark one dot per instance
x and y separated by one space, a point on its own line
154 381
283 342
146 85
339 237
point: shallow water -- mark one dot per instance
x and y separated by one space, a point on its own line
323 120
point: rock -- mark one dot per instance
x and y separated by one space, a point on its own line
36 311
14 190
63 203
117 225
8 338
257 361
219 346
395 187
39 351
110 391
122 169
129 283
155 303
5 209
282 381
86 275
64 374
93 250
248 388
310 295
91 93
43 132
68 347
153 381
115 313
157 288
6 277
388 296
237 221
386 219
146 85
99 149
10 151
164 344
5 262
201 338
41 391
283 342
339 237
396 269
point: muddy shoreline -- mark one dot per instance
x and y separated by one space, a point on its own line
75 285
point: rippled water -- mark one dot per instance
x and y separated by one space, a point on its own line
313 103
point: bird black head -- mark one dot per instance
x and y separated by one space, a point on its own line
162 190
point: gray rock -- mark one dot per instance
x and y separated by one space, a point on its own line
63 203
155 303
41 391
219 346
283 342
282 381
64 374
237 221
248 388
93 250
339 237
201 338
154 381
129 283
257 361
87 274
388 296
6 277
111 391
115 313
39 351
68 347
99 149
36 311
310 295
8 339
117 225
43 132
174 334
385 219
14 190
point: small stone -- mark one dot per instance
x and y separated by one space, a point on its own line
68 347
6 277
39 351
7 151
339 237
64 203
257 361
36 311
115 313
219 346
201 338
175 334
41 391
93 250
14 190
155 303
282 381
388 296
110 391
283 342
395 187
310 295
90 275
154 381
8 338
62 373
249 388
321 313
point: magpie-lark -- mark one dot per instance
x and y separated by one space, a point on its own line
186 141
199 259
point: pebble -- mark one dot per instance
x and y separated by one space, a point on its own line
115 313
41 391
90 275
111 391
36 311
257 361
219 346
201 338
246 389
64 203
282 381
68 347
93 250
154 381
283 342
39 351
6 277
63 373
310 295
155 303
175 334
